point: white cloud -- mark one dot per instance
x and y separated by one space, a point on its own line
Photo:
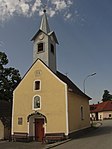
36 5
68 16
59 4
10 8
24 8
51 12
69 2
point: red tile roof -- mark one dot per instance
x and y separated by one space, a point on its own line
104 106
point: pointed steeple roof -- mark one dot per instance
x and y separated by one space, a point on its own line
44 26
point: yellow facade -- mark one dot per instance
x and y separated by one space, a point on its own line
60 108
53 103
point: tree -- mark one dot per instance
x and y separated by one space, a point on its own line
9 79
106 96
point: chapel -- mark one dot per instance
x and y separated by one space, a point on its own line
46 101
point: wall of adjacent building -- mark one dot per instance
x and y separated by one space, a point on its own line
104 115
93 116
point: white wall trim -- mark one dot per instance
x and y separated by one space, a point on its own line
45 127
28 128
66 100
12 127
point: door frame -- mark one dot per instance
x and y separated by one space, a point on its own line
31 123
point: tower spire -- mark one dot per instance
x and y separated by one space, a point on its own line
44 26
45 44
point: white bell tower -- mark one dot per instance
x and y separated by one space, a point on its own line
44 44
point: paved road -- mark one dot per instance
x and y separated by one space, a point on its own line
100 138
20 145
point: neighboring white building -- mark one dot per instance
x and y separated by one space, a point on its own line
101 111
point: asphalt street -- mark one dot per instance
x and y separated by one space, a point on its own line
100 138
21 145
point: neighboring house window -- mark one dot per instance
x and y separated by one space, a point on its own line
52 48
40 47
110 115
36 102
37 85
20 120
82 113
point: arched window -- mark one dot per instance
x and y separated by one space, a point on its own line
82 112
37 102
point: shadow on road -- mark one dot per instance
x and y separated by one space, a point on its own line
104 129
99 131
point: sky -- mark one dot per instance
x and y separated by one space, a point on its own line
84 32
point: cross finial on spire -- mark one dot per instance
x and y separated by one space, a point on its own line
44 10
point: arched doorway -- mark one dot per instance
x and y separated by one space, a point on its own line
37 123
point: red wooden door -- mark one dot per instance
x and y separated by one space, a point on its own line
39 130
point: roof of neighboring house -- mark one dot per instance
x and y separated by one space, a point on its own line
103 106
71 85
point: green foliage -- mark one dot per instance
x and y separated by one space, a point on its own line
3 59
9 79
106 96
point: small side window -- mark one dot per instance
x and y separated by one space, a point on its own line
110 115
20 120
82 112
37 85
